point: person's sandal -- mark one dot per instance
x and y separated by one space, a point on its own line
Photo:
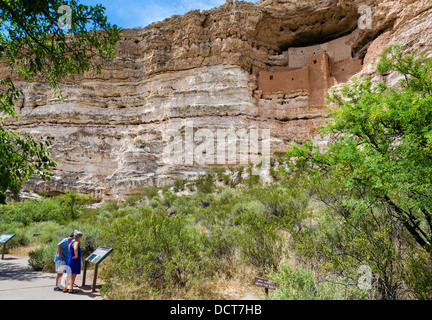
73 291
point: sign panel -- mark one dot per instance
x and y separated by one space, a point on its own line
264 283
98 254
5 237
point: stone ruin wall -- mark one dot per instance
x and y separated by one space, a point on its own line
313 70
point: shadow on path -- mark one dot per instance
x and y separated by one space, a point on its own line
18 282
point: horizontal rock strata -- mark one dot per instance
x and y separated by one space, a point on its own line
208 70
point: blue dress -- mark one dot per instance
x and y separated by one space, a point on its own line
73 264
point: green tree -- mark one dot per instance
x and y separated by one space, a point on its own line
382 143
72 204
35 47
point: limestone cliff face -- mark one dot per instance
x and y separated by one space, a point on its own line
241 66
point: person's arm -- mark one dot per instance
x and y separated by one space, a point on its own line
75 246
59 250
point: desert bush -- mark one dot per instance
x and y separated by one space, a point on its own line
48 231
224 196
169 198
72 204
179 185
219 172
252 179
260 240
155 202
299 283
134 199
220 242
29 211
417 274
43 259
156 251
20 239
205 183
151 192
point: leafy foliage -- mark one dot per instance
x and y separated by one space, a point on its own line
36 49
158 250
382 143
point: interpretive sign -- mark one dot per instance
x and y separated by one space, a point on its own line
96 257
5 237
264 283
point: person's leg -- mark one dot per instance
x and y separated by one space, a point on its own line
67 282
60 270
73 276
59 275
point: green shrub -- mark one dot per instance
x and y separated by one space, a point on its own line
219 172
226 179
254 206
20 239
418 274
205 183
224 196
151 192
220 242
157 251
72 204
43 259
29 211
179 184
49 231
259 240
155 202
299 283
169 199
133 199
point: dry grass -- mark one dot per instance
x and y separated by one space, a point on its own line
23 251
234 281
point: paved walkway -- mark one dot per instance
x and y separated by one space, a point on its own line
18 282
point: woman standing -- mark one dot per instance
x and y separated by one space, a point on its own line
73 261
61 257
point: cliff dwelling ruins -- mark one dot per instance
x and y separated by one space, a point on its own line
310 71
242 65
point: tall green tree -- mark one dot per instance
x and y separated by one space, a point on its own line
44 41
382 144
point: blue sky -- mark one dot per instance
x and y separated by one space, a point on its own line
140 13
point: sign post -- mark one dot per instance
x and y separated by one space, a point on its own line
5 237
265 283
96 257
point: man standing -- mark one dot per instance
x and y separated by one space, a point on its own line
60 258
